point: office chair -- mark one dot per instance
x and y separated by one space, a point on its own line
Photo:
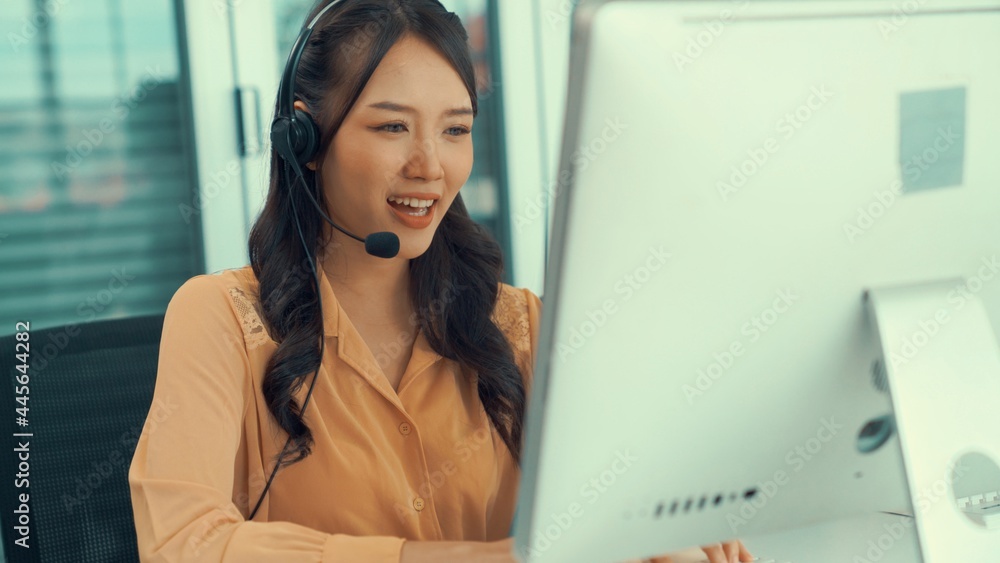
90 388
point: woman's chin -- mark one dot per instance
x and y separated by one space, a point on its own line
413 246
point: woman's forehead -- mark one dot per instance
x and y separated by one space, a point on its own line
414 73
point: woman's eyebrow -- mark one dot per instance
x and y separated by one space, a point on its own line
392 106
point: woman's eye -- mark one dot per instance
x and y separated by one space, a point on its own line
458 131
391 127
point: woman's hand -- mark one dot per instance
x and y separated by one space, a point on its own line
729 552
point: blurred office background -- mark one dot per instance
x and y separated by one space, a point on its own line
133 142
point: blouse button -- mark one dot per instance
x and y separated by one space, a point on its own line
418 503
404 429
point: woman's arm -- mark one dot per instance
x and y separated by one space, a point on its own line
182 472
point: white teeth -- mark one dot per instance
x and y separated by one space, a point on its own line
413 202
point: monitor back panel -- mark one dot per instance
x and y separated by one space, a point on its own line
736 175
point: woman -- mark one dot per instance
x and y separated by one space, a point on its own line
407 447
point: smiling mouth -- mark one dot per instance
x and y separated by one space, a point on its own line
412 206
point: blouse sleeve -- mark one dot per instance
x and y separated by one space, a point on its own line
534 326
182 472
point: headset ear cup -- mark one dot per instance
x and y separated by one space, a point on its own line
305 135
280 139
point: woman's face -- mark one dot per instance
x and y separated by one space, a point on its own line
404 150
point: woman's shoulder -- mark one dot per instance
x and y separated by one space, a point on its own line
232 282
230 293
516 313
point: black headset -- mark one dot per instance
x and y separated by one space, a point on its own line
296 139
294 134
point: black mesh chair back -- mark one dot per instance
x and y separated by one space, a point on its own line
89 388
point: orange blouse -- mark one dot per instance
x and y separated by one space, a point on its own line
421 464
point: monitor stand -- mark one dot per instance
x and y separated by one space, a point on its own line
942 367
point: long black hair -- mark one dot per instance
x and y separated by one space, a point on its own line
345 48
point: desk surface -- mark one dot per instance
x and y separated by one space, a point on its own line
884 538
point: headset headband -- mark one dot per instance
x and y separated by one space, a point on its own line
286 89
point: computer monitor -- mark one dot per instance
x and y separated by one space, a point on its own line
773 277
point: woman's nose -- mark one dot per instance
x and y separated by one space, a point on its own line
423 161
